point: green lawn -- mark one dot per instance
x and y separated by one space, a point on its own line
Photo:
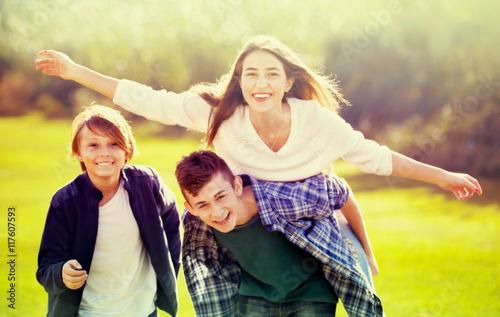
437 256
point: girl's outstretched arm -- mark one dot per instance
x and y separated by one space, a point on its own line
462 185
59 64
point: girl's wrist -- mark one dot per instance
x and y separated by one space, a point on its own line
77 73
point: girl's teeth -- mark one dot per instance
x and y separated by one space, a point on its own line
104 164
261 95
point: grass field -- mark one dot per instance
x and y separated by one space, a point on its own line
437 256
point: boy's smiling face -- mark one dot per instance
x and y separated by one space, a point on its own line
102 156
219 203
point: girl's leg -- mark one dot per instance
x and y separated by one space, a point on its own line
353 244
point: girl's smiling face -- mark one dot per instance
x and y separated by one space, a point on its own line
102 156
264 82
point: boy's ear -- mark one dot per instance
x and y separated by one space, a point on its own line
190 208
238 185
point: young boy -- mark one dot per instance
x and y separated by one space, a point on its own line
253 248
111 243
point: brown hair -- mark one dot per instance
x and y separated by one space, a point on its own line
226 95
196 170
104 121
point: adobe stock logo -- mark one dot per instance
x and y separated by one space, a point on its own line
363 36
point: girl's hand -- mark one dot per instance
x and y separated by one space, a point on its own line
59 64
462 185
73 275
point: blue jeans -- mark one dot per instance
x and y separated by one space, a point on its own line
249 306
353 243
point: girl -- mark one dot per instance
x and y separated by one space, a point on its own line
111 243
270 117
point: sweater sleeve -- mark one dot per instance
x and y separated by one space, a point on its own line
342 141
53 253
186 109
169 215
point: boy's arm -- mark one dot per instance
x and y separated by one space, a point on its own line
462 185
53 254
59 64
170 220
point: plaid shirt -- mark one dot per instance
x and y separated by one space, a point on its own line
304 212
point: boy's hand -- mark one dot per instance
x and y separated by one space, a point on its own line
73 275
58 65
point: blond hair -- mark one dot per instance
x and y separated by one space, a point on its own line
104 121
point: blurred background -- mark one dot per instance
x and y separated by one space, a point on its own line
422 77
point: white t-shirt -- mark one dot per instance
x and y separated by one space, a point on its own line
318 137
121 281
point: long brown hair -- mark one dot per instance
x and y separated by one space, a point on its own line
309 84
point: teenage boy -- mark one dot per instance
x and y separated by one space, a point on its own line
111 243
255 248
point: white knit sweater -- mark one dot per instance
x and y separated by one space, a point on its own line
318 137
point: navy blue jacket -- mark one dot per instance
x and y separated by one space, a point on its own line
71 231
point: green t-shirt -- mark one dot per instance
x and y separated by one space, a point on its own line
273 268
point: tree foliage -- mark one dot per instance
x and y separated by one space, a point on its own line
423 77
